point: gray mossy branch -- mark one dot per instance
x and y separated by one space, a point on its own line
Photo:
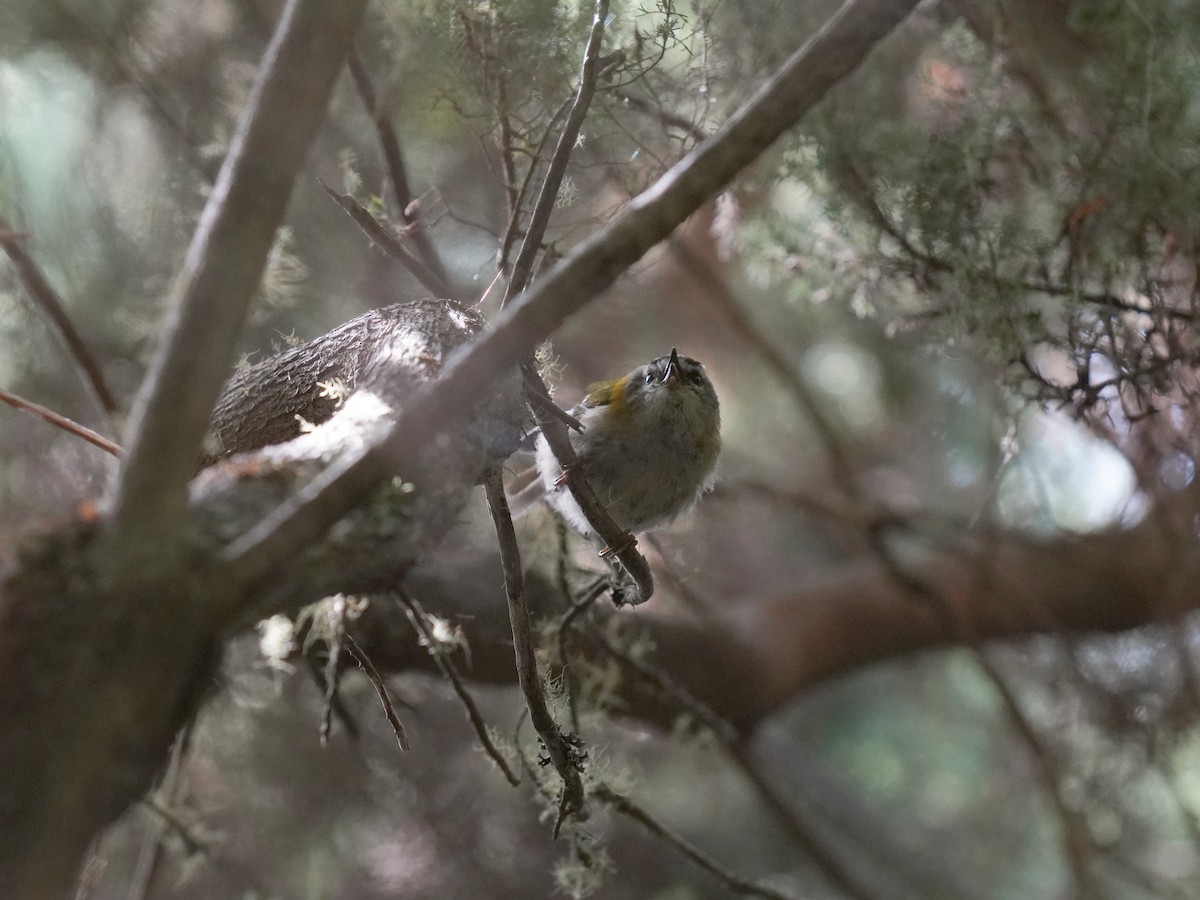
217 281
97 680
261 402
382 357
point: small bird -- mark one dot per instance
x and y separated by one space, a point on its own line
648 448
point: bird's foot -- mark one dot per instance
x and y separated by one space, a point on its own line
627 542
567 472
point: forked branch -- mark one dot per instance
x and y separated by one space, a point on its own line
822 62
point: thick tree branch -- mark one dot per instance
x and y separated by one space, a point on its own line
219 277
95 679
748 663
649 218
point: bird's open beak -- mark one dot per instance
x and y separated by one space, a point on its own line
671 372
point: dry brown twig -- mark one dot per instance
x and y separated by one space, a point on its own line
381 691
59 421
389 145
39 289
420 622
387 241
562 751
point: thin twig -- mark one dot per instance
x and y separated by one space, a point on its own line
565 757
700 606
333 702
797 829
389 145
566 622
538 396
727 734
1078 844
368 667
616 541
731 880
164 795
552 182
665 117
841 44
513 230
192 844
833 506
38 286
390 244
114 52
48 415
416 615
496 75
508 141
724 731
333 669
566 625
918 867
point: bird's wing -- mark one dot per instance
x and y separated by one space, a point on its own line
602 393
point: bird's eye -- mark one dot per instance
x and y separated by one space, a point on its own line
649 378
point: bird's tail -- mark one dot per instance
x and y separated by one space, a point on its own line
524 490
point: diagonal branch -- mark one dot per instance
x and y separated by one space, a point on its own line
544 205
619 545
1079 849
43 294
49 415
563 754
389 145
219 277
381 691
392 246
822 62
420 623
836 449
727 877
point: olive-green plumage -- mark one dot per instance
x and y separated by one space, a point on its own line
649 446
